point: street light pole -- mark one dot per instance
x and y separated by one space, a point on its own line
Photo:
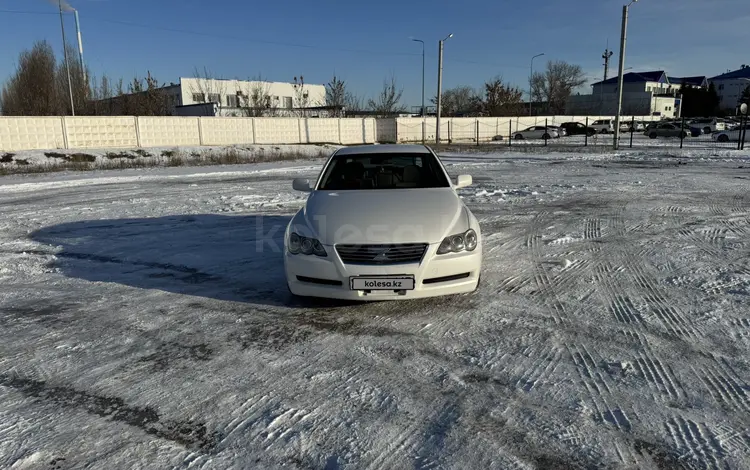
531 76
620 78
440 88
422 109
67 64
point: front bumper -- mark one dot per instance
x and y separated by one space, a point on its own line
436 275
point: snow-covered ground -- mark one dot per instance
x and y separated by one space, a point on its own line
146 324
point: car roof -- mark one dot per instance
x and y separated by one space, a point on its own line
382 148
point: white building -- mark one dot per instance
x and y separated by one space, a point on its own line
236 97
643 94
729 87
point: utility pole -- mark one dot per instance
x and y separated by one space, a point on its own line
623 40
67 64
423 110
531 79
440 89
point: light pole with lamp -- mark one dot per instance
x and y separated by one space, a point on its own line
623 39
531 77
440 88
422 109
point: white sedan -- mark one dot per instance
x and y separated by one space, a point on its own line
383 222
537 132
733 135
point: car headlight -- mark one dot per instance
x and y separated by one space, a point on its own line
466 241
307 246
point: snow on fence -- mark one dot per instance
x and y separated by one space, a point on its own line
39 133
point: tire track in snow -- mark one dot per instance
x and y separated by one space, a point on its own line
672 319
542 279
725 387
732 440
696 443
544 366
598 388
619 303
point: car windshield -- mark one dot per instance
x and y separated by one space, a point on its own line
383 171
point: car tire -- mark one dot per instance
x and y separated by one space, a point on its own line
652 135
546 136
683 135
518 137
723 138
706 130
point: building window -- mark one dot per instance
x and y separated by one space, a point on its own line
199 97
214 98
288 102
232 101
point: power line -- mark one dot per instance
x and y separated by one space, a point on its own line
262 41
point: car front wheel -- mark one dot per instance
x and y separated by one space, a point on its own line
723 138
652 135
519 137
546 136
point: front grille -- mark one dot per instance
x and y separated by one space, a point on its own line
382 254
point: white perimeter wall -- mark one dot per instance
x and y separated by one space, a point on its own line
29 133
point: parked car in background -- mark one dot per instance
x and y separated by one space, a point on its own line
708 125
665 129
536 132
576 128
561 132
604 126
733 135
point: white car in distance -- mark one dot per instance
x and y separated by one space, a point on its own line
537 132
383 222
732 136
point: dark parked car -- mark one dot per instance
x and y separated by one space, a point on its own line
576 128
667 130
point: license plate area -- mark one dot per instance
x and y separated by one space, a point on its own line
373 283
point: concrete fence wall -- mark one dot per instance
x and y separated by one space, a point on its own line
82 132
31 133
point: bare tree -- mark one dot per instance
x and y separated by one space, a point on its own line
388 101
353 102
31 91
256 101
336 96
501 99
80 87
208 88
555 84
460 101
301 96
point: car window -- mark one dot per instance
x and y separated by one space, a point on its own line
383 171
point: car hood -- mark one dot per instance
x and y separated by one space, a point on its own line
383 216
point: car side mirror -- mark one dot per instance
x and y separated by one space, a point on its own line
463 181
301 184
